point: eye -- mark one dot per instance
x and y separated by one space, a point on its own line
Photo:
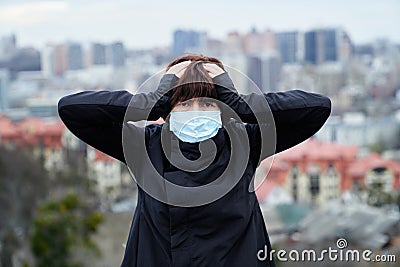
187 103
208 104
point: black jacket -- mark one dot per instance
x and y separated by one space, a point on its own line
226 232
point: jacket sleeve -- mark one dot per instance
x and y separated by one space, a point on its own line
297 114
96 117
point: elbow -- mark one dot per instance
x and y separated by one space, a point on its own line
63 108
327 105
327 102
62 103
60 106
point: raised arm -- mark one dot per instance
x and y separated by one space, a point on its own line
297 114
96 117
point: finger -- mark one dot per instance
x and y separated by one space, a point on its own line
180 73
182 65
211 66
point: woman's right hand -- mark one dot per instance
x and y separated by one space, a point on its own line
179 68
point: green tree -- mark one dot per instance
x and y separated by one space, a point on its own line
377 196
61 226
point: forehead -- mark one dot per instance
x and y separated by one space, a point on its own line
199 100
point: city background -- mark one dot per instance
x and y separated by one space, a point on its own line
64 200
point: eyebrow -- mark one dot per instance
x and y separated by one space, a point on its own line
187 101
207 100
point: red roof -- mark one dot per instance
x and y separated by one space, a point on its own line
362 166
7 128
31 131
314 149
100 156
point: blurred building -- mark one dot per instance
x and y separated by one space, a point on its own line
264 70
313 170
315 173
327 45
98 54
9 133
58 58
115 54
4 88
42 137
371 169
188 41
110 175
259 42
74 151
74 56
22 59
42 108
288 45
8 46
236 65
47 61
321 46
233 43
354 128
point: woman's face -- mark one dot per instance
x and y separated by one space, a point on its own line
196 104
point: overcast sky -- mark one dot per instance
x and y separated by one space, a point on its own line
148 23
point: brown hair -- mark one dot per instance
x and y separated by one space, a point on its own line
195 82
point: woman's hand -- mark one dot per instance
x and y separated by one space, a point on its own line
213 69
179 68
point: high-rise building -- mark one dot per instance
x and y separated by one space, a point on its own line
4 84
98 54
233 43
254 69
330 45
259 42
115 54
236 65
264 70
74 56
47 61
287 44
60 59
321 45
8 45
184 41
311 47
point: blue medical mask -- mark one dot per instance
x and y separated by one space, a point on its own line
195 126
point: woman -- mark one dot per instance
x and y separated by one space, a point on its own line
205 118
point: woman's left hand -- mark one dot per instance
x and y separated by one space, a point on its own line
213 69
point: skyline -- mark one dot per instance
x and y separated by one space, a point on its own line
137 24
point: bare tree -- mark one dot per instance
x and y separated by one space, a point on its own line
23 182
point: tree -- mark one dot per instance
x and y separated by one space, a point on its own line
60 227
23 183
377 196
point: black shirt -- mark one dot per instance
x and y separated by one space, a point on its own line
228 231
